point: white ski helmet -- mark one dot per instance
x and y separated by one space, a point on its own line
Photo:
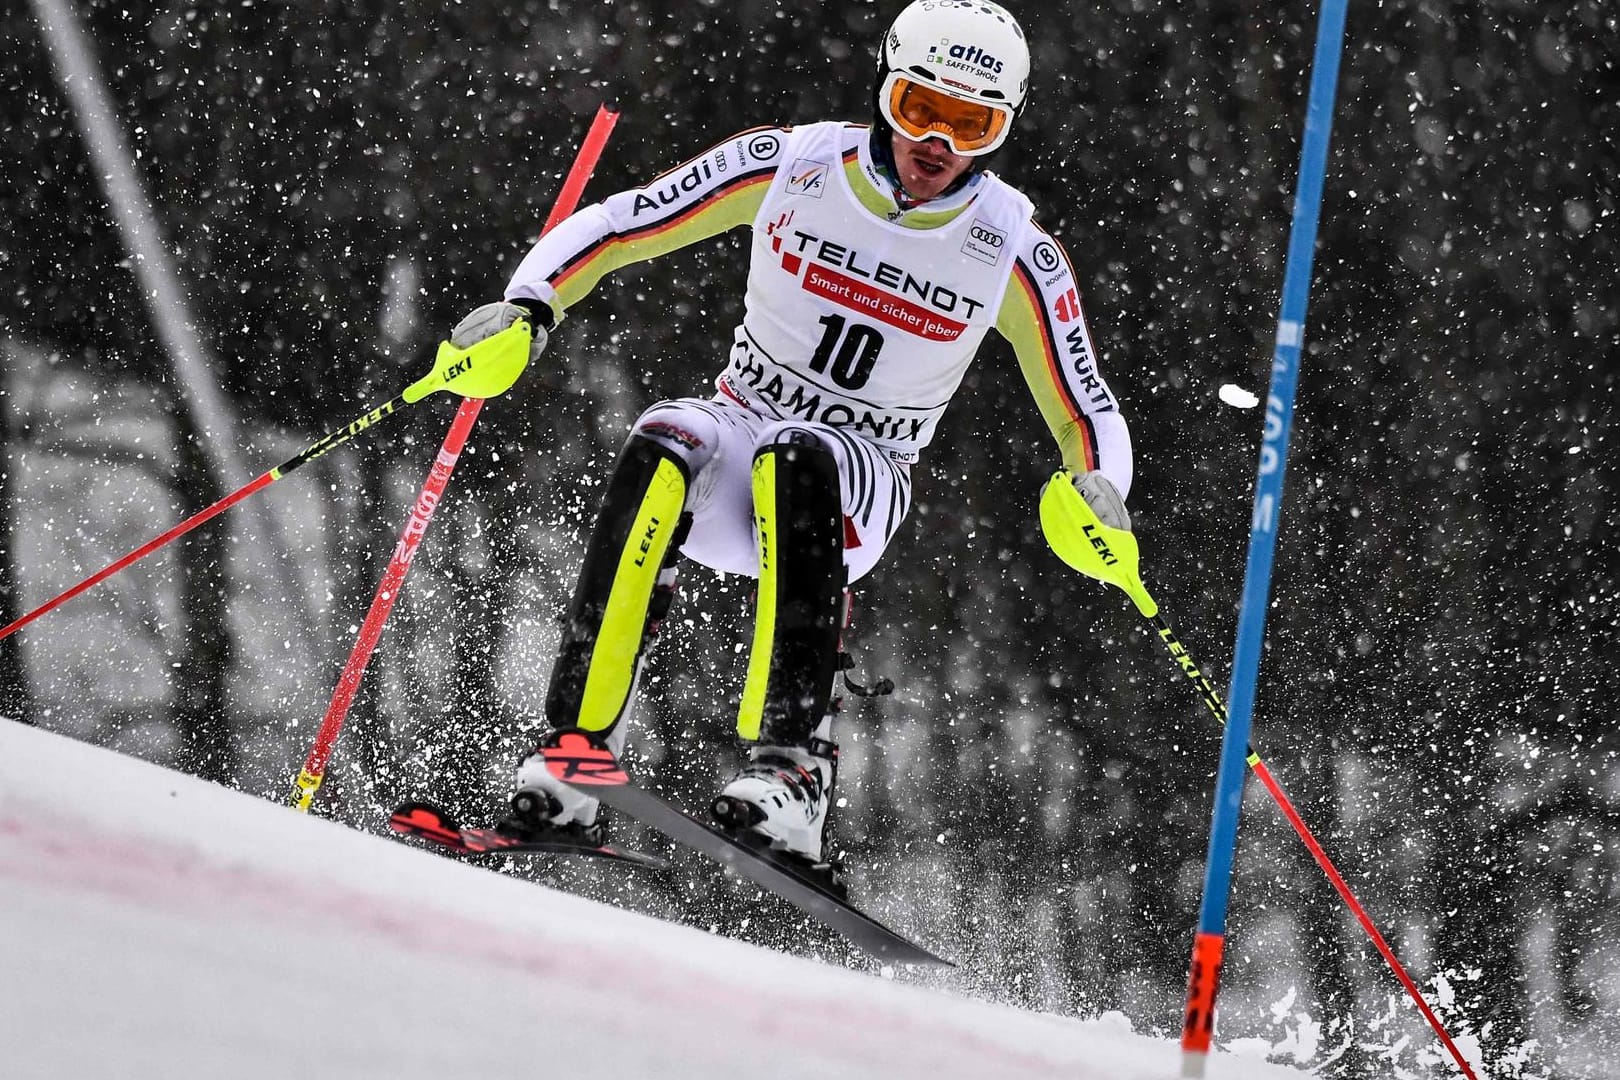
954 69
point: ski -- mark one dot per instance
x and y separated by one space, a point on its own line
427 822
577 758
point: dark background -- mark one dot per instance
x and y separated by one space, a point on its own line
338 185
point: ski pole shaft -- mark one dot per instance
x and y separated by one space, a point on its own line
313 773
331 441
1207 948
482 370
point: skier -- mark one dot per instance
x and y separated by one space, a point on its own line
881 256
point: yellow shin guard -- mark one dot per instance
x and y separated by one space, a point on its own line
595 673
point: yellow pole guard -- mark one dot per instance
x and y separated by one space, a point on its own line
303 792
1079 538
752 711
618 641
484 369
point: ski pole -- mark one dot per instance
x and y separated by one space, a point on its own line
488 368
309 778
1111 556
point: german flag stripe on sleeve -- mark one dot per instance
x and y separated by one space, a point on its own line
726 207
720 189
1025 321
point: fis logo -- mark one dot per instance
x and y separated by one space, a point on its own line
807 177
964 56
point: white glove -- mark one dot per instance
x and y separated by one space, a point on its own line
491 319
1103 498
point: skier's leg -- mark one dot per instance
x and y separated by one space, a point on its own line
625 589
799 519
812 486
784 791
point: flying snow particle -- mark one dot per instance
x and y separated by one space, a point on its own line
1237 397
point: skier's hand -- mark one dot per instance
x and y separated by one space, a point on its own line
1104 499
491 319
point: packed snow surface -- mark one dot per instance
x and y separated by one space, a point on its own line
155 925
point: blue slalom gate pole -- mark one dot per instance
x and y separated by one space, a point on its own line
1204 978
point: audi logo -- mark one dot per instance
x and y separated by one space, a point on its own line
987 236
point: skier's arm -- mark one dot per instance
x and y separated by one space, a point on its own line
715 191
1042 318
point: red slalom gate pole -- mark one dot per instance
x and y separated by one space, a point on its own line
314 770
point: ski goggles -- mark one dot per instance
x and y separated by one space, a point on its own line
918 111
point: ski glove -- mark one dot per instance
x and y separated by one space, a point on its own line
491 319
1103 498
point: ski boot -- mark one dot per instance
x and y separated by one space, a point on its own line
542 806
777 804
782 795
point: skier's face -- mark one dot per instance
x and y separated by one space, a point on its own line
926 168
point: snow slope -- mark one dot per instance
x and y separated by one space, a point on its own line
155 925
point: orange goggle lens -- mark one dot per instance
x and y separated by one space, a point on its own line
920 111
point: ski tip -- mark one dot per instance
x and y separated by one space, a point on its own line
416 809
914 956
580 758
423 820
411 813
